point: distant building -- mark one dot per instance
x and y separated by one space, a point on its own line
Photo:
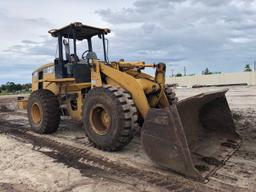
241 78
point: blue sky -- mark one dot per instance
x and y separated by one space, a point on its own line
218 34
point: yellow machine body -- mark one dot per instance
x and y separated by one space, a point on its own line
137 83
192 137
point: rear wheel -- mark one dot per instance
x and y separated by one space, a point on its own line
109 117
43 111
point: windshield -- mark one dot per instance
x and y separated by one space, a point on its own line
97 46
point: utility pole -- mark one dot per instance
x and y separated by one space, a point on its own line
254 68
172 70
185 71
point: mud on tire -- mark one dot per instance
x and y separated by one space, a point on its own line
43 111
119 106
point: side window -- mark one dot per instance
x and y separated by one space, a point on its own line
48 70
35 75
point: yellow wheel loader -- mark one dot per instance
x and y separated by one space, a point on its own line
114 100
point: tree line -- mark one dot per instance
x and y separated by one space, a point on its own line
11 87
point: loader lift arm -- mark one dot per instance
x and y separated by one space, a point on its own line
191 137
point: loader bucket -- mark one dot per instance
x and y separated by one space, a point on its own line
194 137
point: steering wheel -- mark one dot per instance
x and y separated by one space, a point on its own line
83 55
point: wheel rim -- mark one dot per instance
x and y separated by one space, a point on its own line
36 113
100 119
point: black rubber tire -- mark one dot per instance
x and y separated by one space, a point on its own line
170 94
49 111
134 114
122 111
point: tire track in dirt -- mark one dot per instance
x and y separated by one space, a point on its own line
237 169
80 158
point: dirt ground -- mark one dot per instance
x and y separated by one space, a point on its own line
25 169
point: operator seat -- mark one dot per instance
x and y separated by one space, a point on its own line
74 58
82 70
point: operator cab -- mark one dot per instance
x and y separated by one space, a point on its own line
73 66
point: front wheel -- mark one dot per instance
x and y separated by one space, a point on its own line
109 117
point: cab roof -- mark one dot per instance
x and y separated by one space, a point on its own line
78 30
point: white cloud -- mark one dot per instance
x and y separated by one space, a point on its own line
25 42
202 33
218 34
241 40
